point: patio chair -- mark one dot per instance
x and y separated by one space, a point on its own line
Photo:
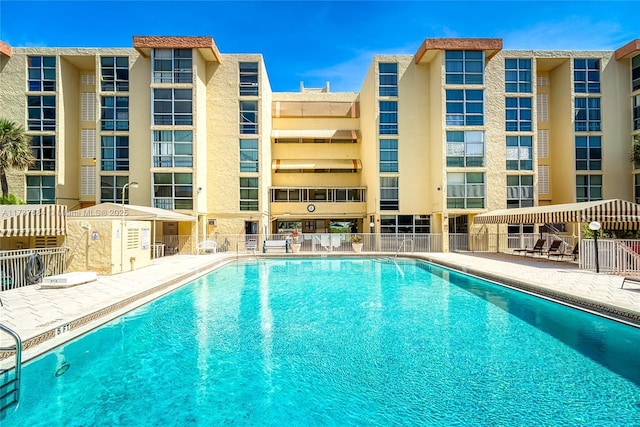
555 248
562 254
537 248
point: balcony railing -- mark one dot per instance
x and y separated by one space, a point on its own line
318 194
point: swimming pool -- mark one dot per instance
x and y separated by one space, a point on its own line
340 342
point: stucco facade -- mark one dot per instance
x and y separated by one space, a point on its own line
429 141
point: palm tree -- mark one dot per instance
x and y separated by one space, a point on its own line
15 151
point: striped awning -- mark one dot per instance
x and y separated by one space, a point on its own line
33 220
613 214
316 164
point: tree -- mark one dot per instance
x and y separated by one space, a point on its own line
15 151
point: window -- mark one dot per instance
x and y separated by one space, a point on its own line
635 73
114 73
172 148
588 188
87 180
465 190
88 143
588 153
172 66
518 114
636 112
88 107
389 194
248 194
519 153
388 155
388 79
465 148
42 113
544 186
405 224
172 107
464 67
111 189
114 153
465 108
42 73
517 75
115 113
43 148
248 155
388 117
636 179
519 191
586 75
587 112
248 79
41 190
173 190
249 117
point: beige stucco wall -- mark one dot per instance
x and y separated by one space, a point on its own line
369 153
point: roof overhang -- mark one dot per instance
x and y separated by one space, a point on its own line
628 50
204 44
131 212
315 164
33 220
430 47
612 214
5 49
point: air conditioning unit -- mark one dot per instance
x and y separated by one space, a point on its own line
212 222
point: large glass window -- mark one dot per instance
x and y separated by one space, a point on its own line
172 148
388 79
635 73
111 189
636 112
587 112
114 73
248 194
41 190
519 152
389 199
41 113
519 191
517 75
465 148
248 155
518 114
405 224
388 155
173 190
388 118
588 188
114 114
636 179
249 117
43 148
464 67
114 152
42 73
586 75
172 107
172 66
248 78
588 153
465 108
465 190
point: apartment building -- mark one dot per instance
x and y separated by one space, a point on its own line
431 139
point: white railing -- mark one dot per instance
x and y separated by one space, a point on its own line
23 267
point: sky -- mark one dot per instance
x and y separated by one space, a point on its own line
320 41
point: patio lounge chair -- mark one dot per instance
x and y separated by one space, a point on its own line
537 248
555 248
562 254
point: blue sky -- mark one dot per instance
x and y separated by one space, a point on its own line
319 41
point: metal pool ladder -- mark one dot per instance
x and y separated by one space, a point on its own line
10 377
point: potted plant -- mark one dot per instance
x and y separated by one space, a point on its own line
356 243
295 246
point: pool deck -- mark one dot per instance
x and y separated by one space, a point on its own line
45 318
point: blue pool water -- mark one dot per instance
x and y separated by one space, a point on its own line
341 342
